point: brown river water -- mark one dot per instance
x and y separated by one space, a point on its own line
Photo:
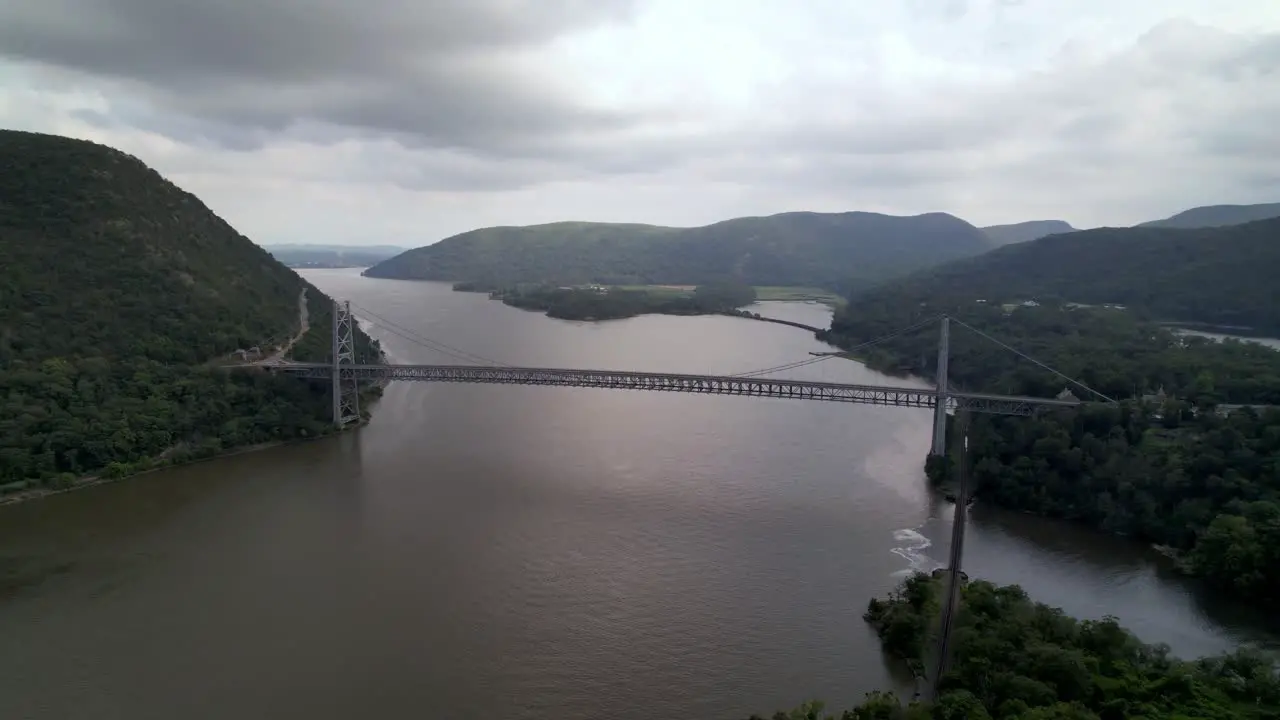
524 552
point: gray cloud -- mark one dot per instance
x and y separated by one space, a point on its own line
441 74
460 97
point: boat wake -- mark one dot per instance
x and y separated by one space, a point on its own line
912 547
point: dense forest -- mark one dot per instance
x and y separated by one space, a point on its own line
1172 463
615 303
120 297
837 251
1221 276
1020 660
1201 483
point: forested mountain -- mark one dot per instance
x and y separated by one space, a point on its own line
802 248
1172 468
1222 276
117 289
1171 464
1217 216
332 256
1025 231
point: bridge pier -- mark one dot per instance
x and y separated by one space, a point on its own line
953 576
940 409
346 386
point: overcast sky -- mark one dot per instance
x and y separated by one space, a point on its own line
405 121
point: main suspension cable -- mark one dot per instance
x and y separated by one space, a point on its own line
1025 356
426 342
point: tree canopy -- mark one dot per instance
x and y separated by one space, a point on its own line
602 303
1173 463
1015 659
119 295
1221 276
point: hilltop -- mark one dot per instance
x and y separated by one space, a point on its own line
1025 231
1220 276
1217 216
332 256
118 292
828 250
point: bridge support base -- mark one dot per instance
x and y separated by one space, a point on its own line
940 408
346 387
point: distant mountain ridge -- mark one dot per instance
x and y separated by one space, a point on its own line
1198 217
829 250
1217 216
1025 231
309 255
838 251
336 247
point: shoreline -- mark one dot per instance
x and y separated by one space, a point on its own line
735 313
87 481
93 480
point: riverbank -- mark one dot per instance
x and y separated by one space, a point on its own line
585 534
595 303
1239 331
1126 673
157 464
605 303
757 316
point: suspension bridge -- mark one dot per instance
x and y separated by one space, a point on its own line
346 376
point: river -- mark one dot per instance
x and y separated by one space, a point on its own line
1273 343
526 552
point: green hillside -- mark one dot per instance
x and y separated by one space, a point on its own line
793 249
117 290
1017 659
1222 276
1173 464
1217 216
1025 231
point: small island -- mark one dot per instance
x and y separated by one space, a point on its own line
614 302
598 302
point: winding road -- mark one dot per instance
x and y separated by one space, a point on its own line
304 324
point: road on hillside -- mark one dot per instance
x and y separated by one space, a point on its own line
304 324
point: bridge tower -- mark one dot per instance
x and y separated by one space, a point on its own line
346 388
940 409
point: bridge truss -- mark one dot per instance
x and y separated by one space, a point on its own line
673 382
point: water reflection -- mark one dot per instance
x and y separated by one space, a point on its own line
1091 575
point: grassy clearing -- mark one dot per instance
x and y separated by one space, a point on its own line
798 294
660 290
775 293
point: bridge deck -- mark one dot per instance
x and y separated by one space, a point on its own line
674 382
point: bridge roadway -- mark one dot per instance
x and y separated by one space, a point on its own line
672 382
